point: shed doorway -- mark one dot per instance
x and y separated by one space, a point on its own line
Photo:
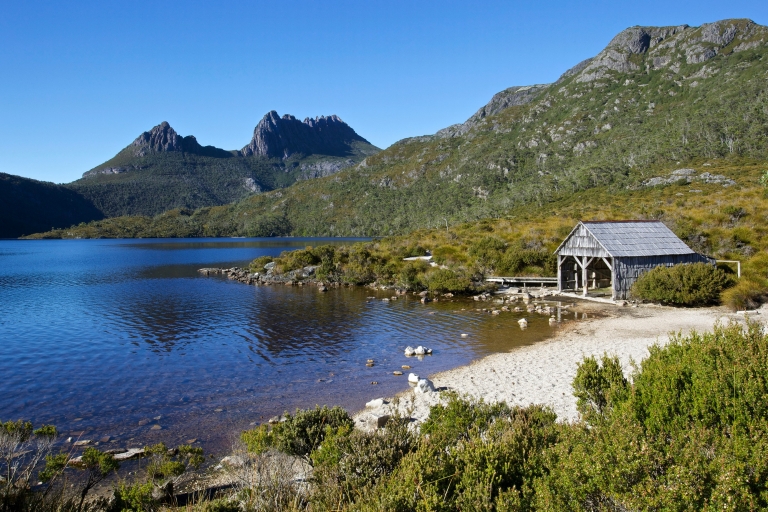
584 274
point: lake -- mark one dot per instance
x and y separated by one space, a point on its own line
125 339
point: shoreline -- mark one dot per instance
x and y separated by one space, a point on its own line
542 373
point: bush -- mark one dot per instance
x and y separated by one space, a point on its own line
747 294
299 434
257 265
598 385
691 284
444 280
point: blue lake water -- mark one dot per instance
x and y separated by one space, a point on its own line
115 337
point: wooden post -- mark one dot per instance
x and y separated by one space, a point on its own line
584 276
559 274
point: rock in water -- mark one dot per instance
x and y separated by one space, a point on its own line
412 377
409 351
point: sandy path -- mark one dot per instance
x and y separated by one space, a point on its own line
543 373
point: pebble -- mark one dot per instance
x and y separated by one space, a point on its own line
373 382
218 410
397 372
83 442
143 422
192 441
156 427
405 367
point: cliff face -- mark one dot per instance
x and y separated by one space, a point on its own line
281 137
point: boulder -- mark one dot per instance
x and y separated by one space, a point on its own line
523 323
413 378
424 386
409 351
373 404
130 453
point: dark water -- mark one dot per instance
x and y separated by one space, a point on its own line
118 338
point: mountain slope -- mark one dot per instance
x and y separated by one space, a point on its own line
655 99
162 170
30 206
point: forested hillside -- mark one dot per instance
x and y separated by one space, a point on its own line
30 206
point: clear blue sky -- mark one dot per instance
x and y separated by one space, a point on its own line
79 82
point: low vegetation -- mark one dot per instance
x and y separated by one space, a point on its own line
693 284
687 431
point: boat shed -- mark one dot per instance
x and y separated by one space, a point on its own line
613 254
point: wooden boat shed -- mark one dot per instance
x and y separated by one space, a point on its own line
603 254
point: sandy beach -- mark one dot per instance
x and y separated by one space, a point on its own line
543 373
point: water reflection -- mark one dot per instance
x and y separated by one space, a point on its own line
100 335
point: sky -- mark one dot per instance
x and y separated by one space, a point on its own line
79 81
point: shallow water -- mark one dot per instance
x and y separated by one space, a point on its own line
123 338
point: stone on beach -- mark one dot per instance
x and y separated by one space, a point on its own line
523 323
412 377
424 386
373 404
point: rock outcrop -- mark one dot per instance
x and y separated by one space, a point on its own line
163 139
514 96
281 137
670 46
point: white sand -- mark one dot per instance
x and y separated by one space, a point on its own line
543 373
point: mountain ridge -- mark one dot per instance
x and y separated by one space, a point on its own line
161 169
653 100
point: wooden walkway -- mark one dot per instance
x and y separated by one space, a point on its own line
524 281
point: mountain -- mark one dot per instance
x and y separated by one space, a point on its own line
162 170
30 206
654 100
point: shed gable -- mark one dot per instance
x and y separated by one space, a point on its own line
582 243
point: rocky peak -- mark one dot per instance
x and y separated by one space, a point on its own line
514 96
281 137
159 139
669 46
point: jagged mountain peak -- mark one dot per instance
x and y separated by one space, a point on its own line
670 46
281 137
159 139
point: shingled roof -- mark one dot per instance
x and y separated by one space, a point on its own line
634 238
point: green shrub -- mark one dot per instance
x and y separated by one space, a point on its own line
747 294
257 265
445 280
692 284
350 462
598 385
299 434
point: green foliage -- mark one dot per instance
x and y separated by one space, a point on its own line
136 497
598 385
257 265
350 462
168 464
692 434
692 284
446 280
299 434
747 294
